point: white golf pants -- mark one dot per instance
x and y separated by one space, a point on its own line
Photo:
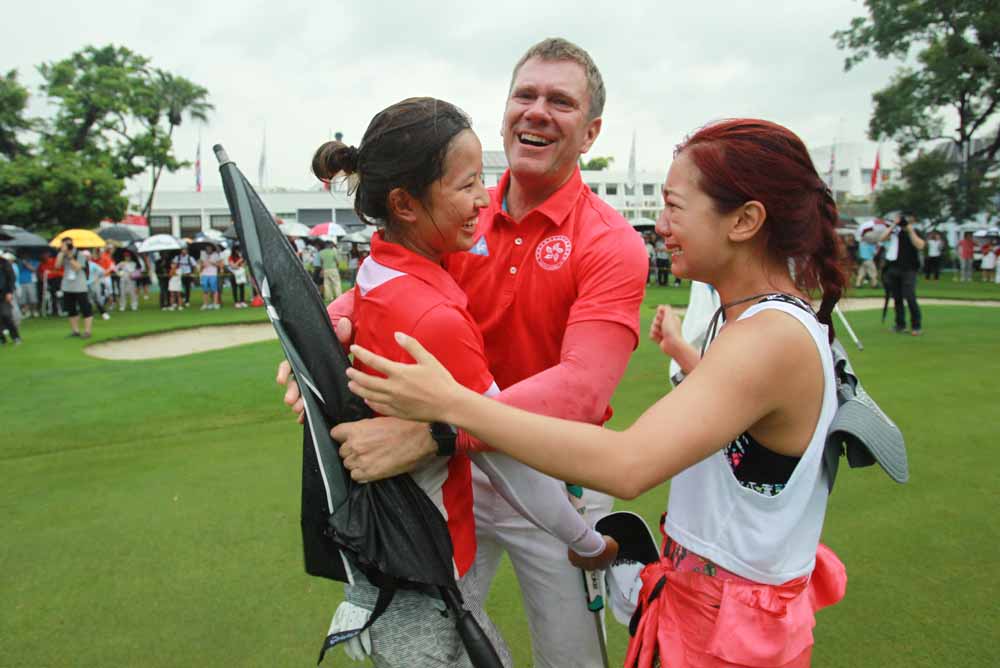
563 630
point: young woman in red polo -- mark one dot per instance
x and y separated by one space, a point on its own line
741 438
418 173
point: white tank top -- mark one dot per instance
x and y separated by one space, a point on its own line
768 539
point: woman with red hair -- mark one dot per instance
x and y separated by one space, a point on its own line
741 438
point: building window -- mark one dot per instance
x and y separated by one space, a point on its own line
288 216
190 225
161 225
593 188
629 189
611 188
219 222
648 189
843 173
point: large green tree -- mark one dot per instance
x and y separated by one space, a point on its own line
116 107
946 95
13 122
114 119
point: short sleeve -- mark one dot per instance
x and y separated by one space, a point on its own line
611 279
451 336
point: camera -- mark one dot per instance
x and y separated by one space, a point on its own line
903 222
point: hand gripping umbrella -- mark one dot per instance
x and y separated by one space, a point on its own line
389 530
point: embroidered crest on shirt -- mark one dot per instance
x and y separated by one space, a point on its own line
480 247
553 252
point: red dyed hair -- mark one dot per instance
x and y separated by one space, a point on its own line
747 159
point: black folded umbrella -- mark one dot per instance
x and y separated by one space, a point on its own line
389 530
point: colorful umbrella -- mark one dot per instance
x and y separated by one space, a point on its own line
327 230
80 238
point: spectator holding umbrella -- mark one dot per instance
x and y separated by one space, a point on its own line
8 283
74 289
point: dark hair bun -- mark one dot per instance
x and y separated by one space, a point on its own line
333 158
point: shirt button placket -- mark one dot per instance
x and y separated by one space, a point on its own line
516 257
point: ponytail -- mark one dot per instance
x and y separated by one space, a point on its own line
827 262
333 158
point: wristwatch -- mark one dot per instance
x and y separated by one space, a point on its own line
444 435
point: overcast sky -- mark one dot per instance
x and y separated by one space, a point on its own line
300 71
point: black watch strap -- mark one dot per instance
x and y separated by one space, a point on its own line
445 436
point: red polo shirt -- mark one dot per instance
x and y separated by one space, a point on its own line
398 290
570 260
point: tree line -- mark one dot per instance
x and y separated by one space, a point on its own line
112 117
942 105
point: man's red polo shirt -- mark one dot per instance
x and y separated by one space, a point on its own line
570 260
400 291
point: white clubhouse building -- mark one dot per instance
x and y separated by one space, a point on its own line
185 213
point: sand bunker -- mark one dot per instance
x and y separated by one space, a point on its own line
202 339
182 342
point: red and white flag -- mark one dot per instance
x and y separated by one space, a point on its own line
876 168
197 168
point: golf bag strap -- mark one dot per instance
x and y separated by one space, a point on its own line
386 592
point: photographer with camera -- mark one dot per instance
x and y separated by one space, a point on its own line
900 277
74 288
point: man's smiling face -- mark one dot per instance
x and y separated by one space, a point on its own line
546 124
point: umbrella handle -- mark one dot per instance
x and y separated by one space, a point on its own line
481 651
221 155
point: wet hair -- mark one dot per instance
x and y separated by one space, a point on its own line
556 49
740 160
405 146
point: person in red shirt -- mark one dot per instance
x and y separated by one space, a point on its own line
419 170
966 254
50 280
555 279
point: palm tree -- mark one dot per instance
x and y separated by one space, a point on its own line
171 99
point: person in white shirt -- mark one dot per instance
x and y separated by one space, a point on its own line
208 266
932 263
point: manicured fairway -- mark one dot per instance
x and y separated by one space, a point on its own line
149 510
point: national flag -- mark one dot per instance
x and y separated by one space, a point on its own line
833 162
197 168
876 168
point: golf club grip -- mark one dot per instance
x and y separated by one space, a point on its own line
220 154
481 652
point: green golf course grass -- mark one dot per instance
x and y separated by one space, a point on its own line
149 510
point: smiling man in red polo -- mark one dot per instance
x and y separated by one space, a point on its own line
554 283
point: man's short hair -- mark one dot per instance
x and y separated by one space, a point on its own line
556 49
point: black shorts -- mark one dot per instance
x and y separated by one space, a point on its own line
75 303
